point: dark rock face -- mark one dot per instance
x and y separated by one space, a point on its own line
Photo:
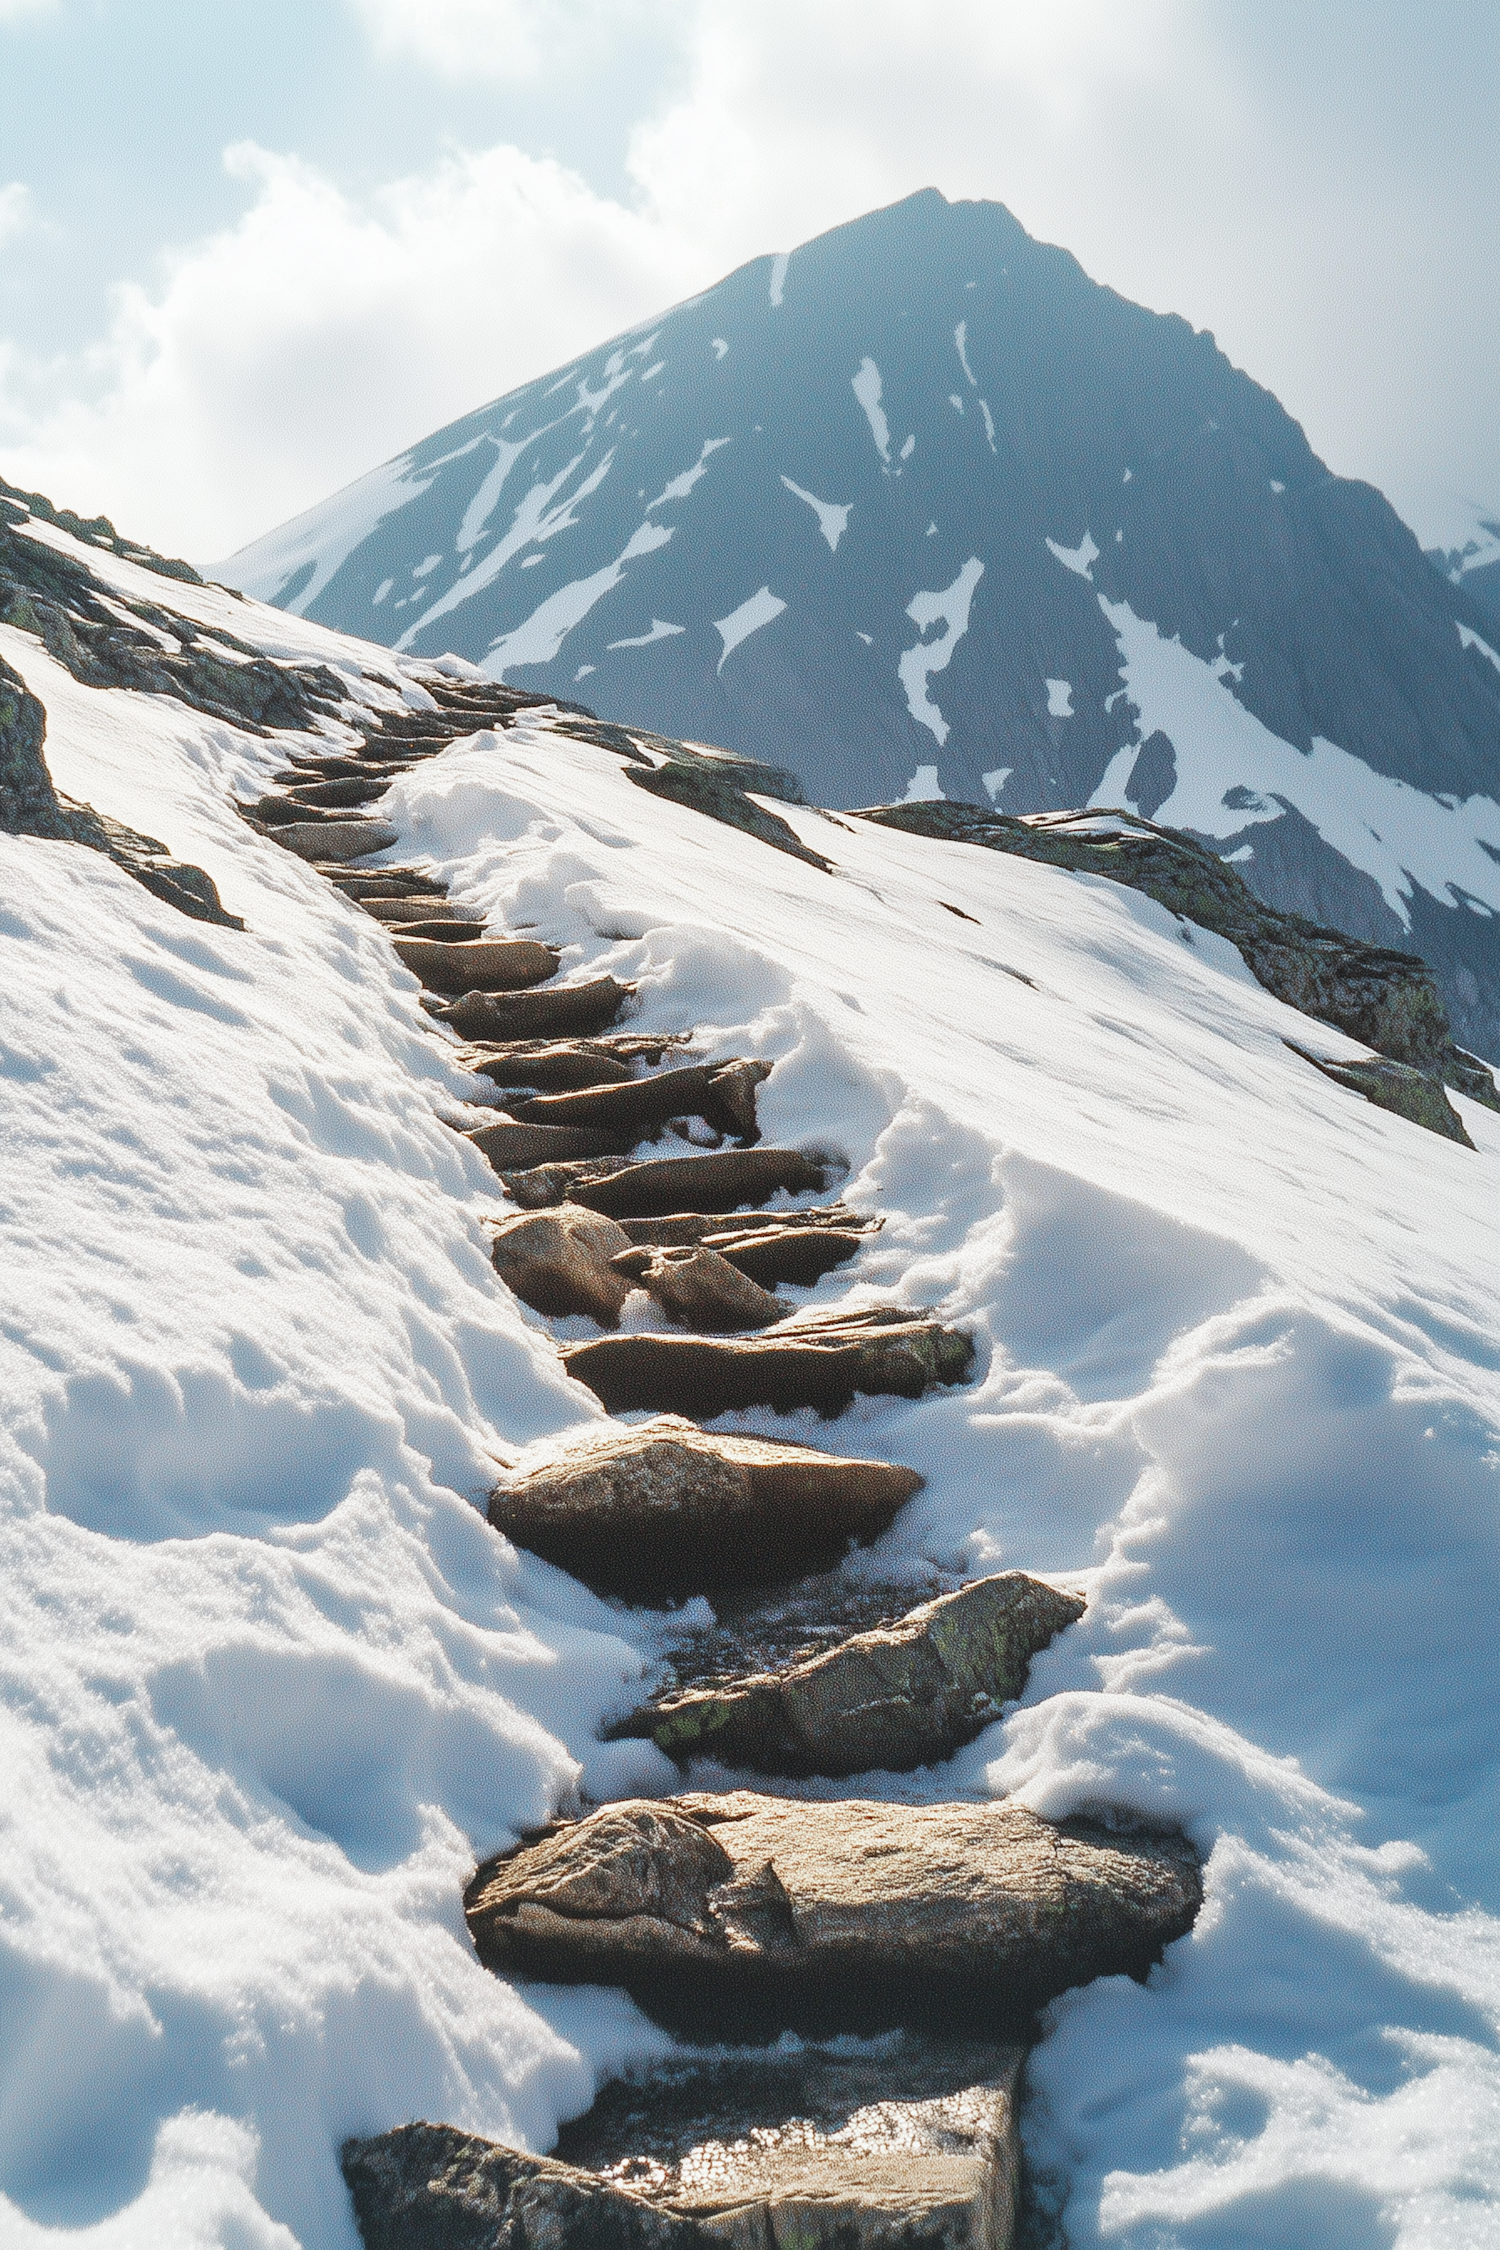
901 1696
823 1363
1413 1094
839 1916
430 2187
30 806
910 2147
665 1510
912 498
1389 1000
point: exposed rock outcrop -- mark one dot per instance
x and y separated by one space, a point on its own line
903 1696
1388 1000
844 1915
31 806
822 1362
665 1510
1416 1095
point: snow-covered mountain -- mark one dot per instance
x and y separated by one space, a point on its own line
921 506
271 1684
1474 566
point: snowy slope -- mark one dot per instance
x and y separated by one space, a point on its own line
922 506
271 1683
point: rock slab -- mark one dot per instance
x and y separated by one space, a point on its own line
822 1363
562 1011
477 964
904 1696
665 1510
699 1288
912 2144
430 2187
717 1910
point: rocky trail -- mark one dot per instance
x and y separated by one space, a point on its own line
903 1949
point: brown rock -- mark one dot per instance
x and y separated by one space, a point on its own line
722 1094
430 2187
664 1509
678 1227
721 1182
558 1262
554 1069
480 965
906 1695
335 839
418 908
697 1287
544 1186
717 1909
823 1363
508 1145
564 1010
801 1255
912 2147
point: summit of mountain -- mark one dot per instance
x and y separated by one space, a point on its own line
921 509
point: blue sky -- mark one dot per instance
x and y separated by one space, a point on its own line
247 250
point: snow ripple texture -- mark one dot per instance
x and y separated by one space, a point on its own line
270 1683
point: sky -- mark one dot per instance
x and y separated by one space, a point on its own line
250 248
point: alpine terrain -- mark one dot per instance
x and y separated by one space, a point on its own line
921 509
720 1524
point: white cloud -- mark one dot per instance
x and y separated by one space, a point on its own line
509 40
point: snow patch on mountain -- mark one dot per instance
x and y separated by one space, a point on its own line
833 520
948 607
1231 772
1471 639
538 640
680 486
869 390
1080 559
759 610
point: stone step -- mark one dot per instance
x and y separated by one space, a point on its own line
559 1263
699 1289
824 1363
902 1696
335 839
385 882
722 1094
662 1510
717 1227
431 2187
478 965
434 928
420 906
509 1146
347 792
720 1914
565 1009
910 2147
724 1181
799 1255
552 1069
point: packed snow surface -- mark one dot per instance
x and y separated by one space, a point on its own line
270 1683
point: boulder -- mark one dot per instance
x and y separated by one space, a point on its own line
697 1287
665 1510
721 1093
507 1144
910 2147
904 1696
431 2187
563 1011
1416 1095
335 839
823 1363
479 965
558 1262
721 1182
543 1186
719 1912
